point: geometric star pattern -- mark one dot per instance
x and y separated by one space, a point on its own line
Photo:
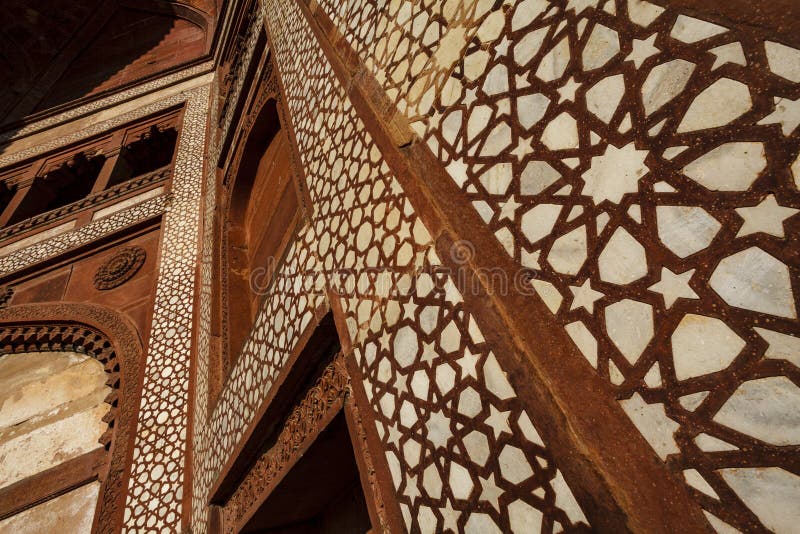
520 67
638 71
442 406
674 286
767 217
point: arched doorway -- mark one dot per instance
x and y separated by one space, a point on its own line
70 376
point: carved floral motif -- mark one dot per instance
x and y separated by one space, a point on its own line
303 424
119 268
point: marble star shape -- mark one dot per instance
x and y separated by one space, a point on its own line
643 50
567 91
674 286
405 228
401 384
501 48
409 309
508 209
439 431
384 340
468 363
787 114
615 173
428 353
450 517
490 492
523 148
434 121
498 421
768 217
583 296
412 490
394 434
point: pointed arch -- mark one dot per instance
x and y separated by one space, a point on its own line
108 337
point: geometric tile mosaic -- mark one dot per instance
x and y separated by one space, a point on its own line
643 162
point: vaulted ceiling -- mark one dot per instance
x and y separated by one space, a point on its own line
53 52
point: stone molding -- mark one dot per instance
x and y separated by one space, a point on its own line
308 418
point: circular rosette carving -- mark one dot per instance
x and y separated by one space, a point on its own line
119 268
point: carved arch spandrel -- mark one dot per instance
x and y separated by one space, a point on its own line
110 338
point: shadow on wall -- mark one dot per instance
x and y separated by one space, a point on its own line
57 52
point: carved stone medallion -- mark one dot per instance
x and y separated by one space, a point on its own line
119 268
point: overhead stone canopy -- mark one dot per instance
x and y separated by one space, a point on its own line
55 52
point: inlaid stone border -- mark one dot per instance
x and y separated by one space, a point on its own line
109 101
161 453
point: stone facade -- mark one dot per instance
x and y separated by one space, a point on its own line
468 266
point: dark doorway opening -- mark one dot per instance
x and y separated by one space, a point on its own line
322 493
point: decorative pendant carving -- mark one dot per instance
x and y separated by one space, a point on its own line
6 293
119 268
